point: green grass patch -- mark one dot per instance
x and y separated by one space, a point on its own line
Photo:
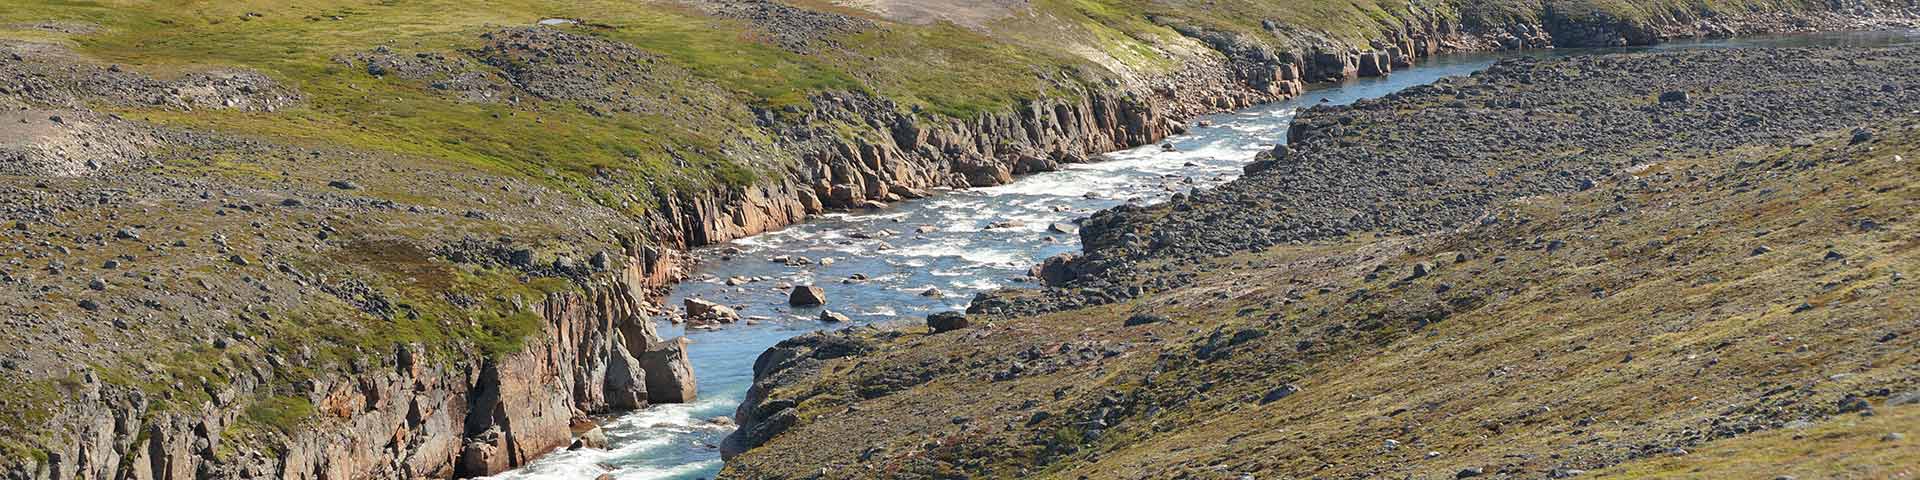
280 413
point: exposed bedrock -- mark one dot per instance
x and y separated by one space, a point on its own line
405 414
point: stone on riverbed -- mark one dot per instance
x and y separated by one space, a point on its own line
705 312
669 373
807 296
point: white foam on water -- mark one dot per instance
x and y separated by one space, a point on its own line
639 473
909 262
980 283
949 273
960 250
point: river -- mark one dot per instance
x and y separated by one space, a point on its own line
951 243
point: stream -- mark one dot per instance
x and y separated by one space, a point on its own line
957 243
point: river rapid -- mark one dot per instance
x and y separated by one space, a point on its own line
957 243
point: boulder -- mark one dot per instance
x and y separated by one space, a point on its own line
807 296
1143 319
702 311
946 321
669 375
595 437
1063 228
830 316
1055 270
1276 394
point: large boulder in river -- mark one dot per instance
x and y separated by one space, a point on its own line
946 321
705 312
807 296
669 374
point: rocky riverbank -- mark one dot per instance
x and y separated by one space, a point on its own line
305 255
1597 265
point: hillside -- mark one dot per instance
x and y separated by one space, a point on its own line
348 239
1616 267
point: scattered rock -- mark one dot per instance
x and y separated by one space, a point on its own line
1143 319
702 311
1861 135
1278 393
830 316
947 321
807 296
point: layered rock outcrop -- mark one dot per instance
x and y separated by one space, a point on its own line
410 413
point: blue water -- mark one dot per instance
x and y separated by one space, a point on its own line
960 256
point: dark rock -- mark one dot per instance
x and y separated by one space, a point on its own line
1143 319
807 296
1278 393
702 311
520 258
946 321
1852 403
669 373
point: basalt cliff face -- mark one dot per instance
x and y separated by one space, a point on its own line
404 414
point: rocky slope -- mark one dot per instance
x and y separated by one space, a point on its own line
1683 263
334 239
